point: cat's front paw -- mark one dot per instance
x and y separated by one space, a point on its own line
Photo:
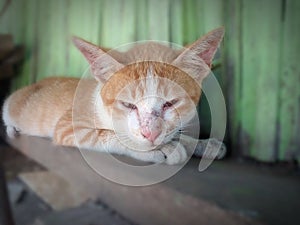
174 153
12 132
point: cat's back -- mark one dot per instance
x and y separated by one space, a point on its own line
36 108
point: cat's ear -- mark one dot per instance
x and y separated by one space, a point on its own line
196 59
101 63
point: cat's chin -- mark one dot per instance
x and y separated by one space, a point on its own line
143 145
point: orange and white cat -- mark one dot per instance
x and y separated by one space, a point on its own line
135 106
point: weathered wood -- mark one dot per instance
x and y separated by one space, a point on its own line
87 214
14 56
6 217
250 64
232 71
11 56
289 111
155 204
260 68
6 45
267 88
54 190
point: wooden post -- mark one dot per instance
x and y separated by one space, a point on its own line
6 217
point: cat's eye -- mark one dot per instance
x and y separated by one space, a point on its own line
129 105
169 104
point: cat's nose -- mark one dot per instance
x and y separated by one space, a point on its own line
151 135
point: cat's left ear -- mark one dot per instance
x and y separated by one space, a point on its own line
102 64
196 59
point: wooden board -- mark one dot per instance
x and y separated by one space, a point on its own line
155 204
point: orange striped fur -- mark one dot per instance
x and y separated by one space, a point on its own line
135 106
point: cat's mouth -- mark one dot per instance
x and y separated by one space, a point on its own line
162 138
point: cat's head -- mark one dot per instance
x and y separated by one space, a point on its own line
150 100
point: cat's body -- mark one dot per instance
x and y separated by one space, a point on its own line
136 105
31 114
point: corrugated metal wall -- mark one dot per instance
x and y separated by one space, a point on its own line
260 74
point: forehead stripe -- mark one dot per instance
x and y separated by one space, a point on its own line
149 70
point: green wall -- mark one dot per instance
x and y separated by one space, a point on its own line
259 72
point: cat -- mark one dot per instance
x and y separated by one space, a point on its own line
136 104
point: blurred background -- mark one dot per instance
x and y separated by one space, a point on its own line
257 67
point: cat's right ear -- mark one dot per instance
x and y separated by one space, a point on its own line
102 64
196 59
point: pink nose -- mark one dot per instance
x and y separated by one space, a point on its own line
151 135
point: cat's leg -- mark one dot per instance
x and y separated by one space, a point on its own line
98 140
210 146
106 141
202 146
63 132
175 153
12 131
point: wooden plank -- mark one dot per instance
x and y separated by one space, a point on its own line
6 216
54 190
260 77
155 204
232 70
289 111
6 45
89 213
